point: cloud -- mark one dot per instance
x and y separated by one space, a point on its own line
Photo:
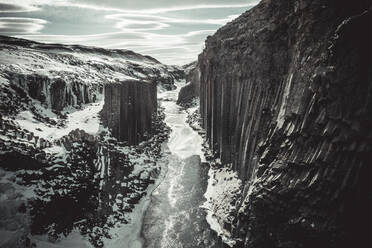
14 8
169 49
8 6
160 6
168 30
161 22
9 25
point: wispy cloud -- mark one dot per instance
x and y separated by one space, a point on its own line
16 25
157 10
170 32
14 8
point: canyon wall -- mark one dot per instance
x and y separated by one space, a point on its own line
285 98
129 109
55 93
192 89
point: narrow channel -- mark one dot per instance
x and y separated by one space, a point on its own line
174 218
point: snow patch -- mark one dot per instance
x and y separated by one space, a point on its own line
223 188
86 119
74 239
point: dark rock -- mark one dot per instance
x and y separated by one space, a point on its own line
285 93
190 91
129 109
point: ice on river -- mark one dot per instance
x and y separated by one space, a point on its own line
183 141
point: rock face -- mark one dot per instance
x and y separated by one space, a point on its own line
55 93
285 94
191 90
129 109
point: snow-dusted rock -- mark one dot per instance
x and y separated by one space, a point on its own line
70 167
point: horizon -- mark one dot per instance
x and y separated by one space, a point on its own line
168 31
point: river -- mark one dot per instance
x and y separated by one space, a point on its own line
174 218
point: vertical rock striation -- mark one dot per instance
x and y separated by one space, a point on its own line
55 93
285 97
129 109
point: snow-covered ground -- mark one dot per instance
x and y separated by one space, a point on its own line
74 239
223 188
86 118
86 64
129 235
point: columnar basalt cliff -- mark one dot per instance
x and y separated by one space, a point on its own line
129 109
286 99
55 93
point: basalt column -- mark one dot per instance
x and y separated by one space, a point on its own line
129 108
285 92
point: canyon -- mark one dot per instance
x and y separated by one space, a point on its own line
81 133
264 141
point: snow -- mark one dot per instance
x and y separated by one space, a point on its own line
183 140
130 233
88 67
73 240
223 187
86 119
55 150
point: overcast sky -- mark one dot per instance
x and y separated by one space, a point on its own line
172 31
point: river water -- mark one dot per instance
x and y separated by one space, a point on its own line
174 218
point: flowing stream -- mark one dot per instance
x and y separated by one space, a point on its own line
174 218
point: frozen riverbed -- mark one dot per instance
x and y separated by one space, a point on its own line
174 217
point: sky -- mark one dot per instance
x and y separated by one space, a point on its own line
172 31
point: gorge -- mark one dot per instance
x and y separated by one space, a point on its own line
263 142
